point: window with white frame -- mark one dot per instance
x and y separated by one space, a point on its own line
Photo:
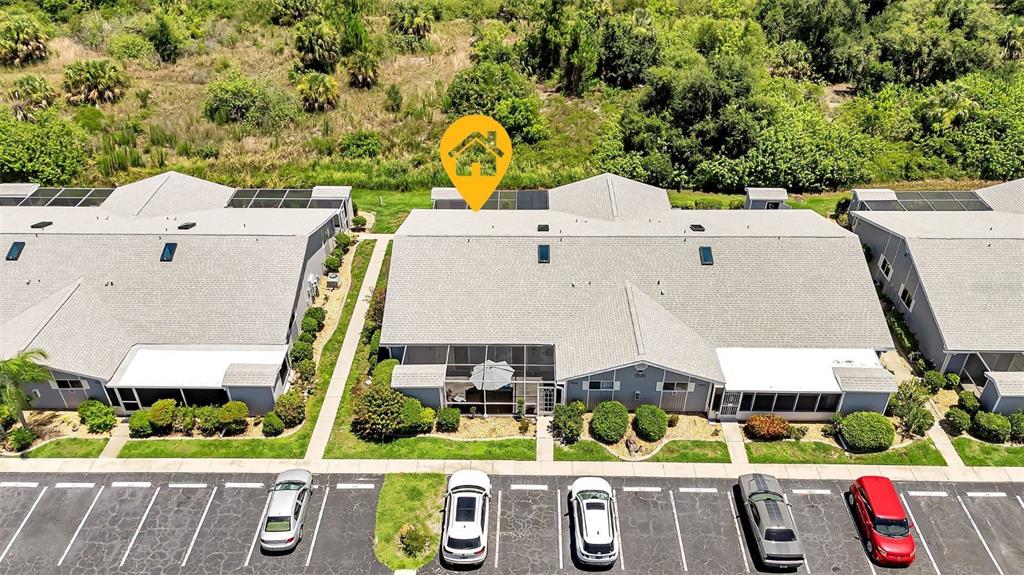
885 266
597 385
906 297
69 384
680 386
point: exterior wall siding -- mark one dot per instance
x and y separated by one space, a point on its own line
428 396
863 401
47 396
635 390
259 399
316 252
762 205
989 397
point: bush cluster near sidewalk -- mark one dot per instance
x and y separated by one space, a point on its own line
161 419
650 422
920 452
567 421
609 422
867 432
96 416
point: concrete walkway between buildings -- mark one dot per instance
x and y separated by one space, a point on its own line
118 437
545 443
734 441
332 400
945 446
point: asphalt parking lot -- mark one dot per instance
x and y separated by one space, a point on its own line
159 523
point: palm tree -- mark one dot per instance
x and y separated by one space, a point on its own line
362 70
24 367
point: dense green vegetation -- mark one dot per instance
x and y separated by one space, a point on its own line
808 94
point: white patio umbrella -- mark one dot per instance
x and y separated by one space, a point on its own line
491 375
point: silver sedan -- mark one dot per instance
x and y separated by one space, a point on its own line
286 511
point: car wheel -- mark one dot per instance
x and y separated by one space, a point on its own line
849 499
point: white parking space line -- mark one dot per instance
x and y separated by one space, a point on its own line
18 484
255 536
739 533
871 564
80 525
807 563
528 487
230 485
985 494
982 539
131 484
354 486
497 533
927 494
22 525
202 519
618 532
812 492
75 485
920 534
698 490
641 489
558 517
1021 501
187 485
135 535
679 533
316 530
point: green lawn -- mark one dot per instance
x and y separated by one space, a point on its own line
408 498
686 198
824 203
292 446
920 452
78 447
583 450
692 451
391 207
976 453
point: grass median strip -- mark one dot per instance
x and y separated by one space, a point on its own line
920 452
583 450
289 447
675 451
408 499
976 453
69 447
390 207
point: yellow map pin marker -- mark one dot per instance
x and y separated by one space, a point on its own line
476 152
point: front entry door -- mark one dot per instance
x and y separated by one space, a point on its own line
549 397
730 404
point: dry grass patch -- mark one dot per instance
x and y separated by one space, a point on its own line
494 427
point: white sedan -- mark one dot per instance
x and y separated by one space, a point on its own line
595 521
464 535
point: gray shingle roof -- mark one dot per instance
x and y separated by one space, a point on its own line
1005 197
1008 383
405 376
779 194
251 374
874 194
609 197
167 193
865 379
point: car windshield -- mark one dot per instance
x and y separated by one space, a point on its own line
597 548
289 486
758 496
779 535
594 495
278 524
892 527
461 544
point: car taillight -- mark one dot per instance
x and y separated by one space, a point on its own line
290 539
479 551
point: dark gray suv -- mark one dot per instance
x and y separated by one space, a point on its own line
767 512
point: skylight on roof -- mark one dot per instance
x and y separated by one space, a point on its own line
168 253
15 251
706 259
543 254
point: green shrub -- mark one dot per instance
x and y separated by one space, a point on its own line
360 144
650 422
31 94
524 426
131 46
291 407
413 539
300 351
393 99
412 414
318 92
238 99
707 204
318 44
990 427
427 418
161 415
184 419
567 421
97 417
673 420
93 82
448 420
767 427
306 337
359 222
867 431
377 412
362 69
306 369
902 333
310 325
233 417
22 40
952 381
382 373
7 417
969 402
909 397
164 39
49 150
272 425
332 263
797 432
1016 427
919 421
20 439
609 422
317 313
957 421
138 424
288 12
934 381
208 419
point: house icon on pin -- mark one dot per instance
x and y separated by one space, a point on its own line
477 155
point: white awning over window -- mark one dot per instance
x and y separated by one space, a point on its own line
190 366
789 370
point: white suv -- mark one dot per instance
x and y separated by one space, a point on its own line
464 535
595 519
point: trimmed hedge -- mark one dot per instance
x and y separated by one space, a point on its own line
448 419
567 421
272 425
184 419
991 427
208 419
934 381
138 425
969 402
377 413
767 427
317 313
97 417
413 420
233 417
291 407
867 431
300 351
957 421
382 373
310 325
306 370
609 422
1017 427
161 415
650 422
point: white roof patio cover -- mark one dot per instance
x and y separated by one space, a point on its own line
796 370
191 366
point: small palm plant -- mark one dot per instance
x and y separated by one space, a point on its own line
31 94
22 368
319 45
22 41
92 82
319 92
362 69
409 19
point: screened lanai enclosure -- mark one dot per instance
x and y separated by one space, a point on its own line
490 379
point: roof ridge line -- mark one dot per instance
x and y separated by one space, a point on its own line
611 196
167 176
634 317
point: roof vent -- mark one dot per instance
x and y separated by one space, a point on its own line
41 225
187 226
706 259
543 254
542 227
696 227
15 251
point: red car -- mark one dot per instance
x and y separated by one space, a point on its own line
882 519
